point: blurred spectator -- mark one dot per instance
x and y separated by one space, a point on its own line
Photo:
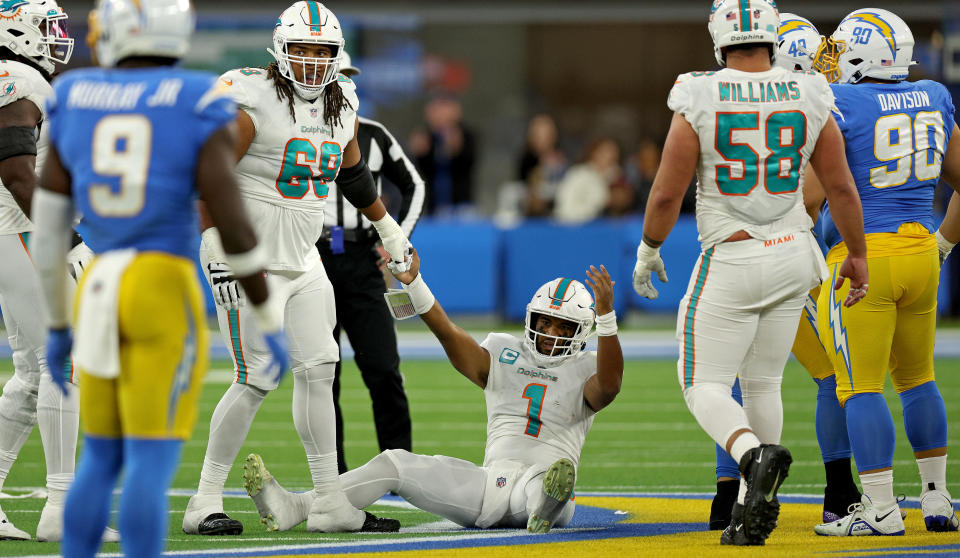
641 170
444 153
541 165
584 192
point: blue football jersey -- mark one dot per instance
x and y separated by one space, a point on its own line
130 139
896 136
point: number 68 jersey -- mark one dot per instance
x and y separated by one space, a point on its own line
284 175
535 415
757 131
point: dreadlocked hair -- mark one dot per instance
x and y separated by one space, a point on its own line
333 99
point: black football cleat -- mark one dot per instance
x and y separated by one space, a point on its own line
764 469
218 524
374 524
734 534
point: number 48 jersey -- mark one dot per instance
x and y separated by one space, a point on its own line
535 415
896 136
757 131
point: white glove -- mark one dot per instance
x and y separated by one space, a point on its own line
395 243
226 291
399 267
79 258
944 246
648 261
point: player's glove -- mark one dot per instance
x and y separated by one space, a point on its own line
226 290
944 246
279 354
403 264
648 261
59 343
395 243
79 258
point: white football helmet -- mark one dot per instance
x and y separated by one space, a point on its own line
870 43
737 22
798 42
346 65
123 28
37 30
568 300
308 22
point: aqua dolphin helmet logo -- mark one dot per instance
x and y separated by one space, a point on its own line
881 25
10 8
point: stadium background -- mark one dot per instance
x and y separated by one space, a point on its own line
601 68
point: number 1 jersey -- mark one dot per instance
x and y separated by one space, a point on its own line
757 131
535 415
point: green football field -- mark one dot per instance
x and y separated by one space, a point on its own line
646 441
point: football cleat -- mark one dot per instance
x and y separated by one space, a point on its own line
836 503
558 484
863 519
8 532
938 511
333 513
204 516
374 524
279 509
723 502
734 534
50 526
764 469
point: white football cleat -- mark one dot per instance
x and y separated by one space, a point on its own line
863 520
10 533
50 527
280 510
938 511
332 513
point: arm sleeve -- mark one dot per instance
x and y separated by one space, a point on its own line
357 185
401 172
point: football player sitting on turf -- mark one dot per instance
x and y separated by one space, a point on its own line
542 392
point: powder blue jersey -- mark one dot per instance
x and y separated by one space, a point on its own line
130 139
896 136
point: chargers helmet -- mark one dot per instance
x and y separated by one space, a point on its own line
36 30
566 299
736 22
123 28
799 41
310 22
870 43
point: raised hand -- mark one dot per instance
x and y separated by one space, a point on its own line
602 286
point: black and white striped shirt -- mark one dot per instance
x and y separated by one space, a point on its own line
385 157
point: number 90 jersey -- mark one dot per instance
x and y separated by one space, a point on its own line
757 131
284 175
896 135
535 415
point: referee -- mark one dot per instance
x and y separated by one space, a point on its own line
348 249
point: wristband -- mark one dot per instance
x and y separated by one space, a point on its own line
211 242
646 252
248 263
607 324
943 244
387 227
269 316
420 294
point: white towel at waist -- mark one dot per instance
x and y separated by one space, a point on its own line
96 349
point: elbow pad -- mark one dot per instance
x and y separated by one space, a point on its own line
357 185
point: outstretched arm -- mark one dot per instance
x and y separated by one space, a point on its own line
601 389
465 354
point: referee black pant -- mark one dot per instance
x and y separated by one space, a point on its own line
362 313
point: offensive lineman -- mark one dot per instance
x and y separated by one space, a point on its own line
748 131
34 36
542 393
298 123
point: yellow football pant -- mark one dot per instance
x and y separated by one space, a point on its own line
806 345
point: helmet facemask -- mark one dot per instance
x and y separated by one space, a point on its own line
827 59
37 30
316 72
565 301
553 348
304 24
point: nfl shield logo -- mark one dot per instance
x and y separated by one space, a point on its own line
501 482
314 112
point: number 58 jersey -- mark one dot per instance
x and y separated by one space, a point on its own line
535 415
757 131
131 139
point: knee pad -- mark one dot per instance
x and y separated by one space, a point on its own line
19 401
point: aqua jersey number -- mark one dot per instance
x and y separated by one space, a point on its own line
298 174
785 133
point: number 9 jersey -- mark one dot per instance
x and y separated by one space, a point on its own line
283 176
130 140
757 131
896 135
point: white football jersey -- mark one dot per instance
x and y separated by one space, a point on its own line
19 81
283 177
757 131
535 415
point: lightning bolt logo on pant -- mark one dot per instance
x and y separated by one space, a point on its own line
836 326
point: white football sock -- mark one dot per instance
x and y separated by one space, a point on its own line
313 417
763 407
58 417
879 487
742 492
933 473
228 429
